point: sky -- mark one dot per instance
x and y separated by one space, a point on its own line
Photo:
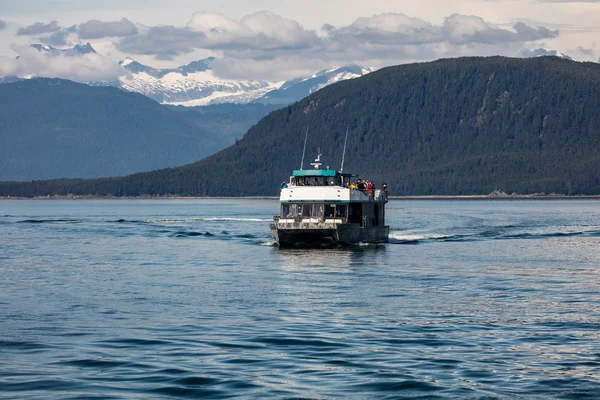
277 40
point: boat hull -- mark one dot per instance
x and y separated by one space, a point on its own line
320 235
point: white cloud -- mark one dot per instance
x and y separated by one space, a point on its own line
80 68
263 45
383 38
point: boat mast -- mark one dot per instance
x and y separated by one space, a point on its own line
304 151
344 152
317 164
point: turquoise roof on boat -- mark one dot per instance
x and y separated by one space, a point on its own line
315 172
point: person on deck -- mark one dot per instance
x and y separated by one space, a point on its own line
284 185
361 185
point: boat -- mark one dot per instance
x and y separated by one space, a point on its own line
324 207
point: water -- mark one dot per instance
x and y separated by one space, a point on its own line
186 299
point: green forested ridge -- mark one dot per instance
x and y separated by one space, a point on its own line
51 128
226 122
449 127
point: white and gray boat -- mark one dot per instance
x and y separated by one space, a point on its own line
322 207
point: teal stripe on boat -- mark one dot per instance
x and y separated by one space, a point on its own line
315 172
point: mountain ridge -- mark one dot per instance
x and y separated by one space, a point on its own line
450 127
196 84
53 127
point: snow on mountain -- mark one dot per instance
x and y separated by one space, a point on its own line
196 84
297 89
191 85
541 52
77 49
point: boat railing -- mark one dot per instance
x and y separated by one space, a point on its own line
377 195
310 220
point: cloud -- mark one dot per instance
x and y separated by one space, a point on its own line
39 28
529 34
264 45
267 46
2 24
90 67
257 35
585 54
162 40
95 29
57 39
399 29
569 1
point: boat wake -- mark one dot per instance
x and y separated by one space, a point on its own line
408 237
50 221
202 219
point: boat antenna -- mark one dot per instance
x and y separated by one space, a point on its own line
344 152
304 151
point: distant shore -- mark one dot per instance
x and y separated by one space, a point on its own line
429 198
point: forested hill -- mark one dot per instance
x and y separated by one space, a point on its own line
455 126
52 128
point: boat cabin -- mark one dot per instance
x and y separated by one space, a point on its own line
329 196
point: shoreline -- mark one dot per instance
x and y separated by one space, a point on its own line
401 198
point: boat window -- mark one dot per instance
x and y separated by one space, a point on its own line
356 213
318 210
329 210
341 211
286 210
306 210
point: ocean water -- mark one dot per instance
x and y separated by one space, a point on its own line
124 299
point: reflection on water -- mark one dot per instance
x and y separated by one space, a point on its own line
337 258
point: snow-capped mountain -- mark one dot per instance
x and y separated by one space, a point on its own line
194 84
77 49
297 89
541 52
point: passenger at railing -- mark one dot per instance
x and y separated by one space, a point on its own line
361 185
353 186
284 185
384 190
370 189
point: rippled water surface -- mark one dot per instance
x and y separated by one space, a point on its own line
190 299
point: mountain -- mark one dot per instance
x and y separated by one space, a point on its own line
52 128
227 122
77 49
195 84
10 79
195 66
449 127
190 85
540 52
294 90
